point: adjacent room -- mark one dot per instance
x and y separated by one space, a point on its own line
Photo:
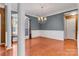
50 32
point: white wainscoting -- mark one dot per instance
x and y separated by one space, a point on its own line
35 33
53 34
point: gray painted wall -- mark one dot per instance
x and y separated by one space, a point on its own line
54 22
34 23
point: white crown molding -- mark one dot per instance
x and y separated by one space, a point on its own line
60 11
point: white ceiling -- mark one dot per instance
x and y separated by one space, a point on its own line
49 9
34 9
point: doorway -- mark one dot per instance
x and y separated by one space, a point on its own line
2 26
71 19
70 25
70 30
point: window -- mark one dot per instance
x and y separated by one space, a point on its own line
14 24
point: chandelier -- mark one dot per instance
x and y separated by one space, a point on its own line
42 19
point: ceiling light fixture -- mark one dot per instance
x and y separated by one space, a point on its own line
42 19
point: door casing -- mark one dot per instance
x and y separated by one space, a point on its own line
2 12
76 25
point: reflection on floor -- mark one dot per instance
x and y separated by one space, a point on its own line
50 47
70 47
41 46
8 52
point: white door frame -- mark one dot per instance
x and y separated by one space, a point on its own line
0 29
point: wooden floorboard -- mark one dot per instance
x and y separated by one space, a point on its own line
42 46
52 47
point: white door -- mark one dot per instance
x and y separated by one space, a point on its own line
70 28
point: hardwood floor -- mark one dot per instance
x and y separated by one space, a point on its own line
70 47
8 52
41 46
51 47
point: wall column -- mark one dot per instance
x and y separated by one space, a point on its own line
21 31
78 32
8 25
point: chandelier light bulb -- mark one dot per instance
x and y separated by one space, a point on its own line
39 19
45 18
42 19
